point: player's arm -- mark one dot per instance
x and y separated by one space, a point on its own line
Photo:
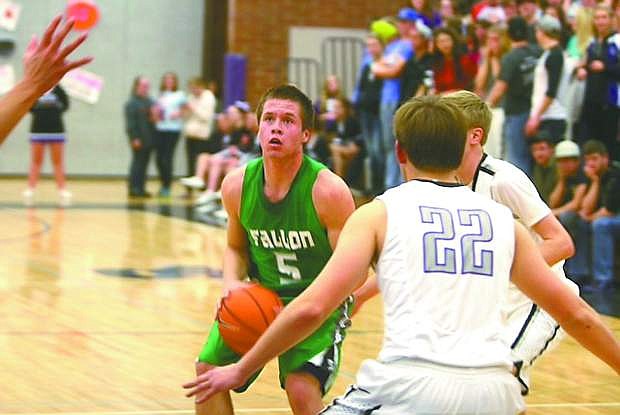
383 70
368 290
333 203
557 194
516 191
235 267
590 200
44 65
360 240
497 92
536 280
556 242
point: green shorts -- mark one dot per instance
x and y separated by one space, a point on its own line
319 354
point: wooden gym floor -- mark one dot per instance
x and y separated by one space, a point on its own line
105 304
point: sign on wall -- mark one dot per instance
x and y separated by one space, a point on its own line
9 14
7 78
83 85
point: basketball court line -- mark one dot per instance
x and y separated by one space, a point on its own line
287 410
575 405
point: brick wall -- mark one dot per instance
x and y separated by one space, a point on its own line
259 29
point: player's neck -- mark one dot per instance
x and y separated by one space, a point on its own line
450 176
471 160
279 175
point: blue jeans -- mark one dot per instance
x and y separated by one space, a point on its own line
579 265
517 149
393 176
371 131
604 231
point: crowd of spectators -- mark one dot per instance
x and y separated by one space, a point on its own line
549 70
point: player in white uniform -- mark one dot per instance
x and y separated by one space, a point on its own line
444 257
531 331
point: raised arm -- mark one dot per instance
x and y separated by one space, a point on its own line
45 63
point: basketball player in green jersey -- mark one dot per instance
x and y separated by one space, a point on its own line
285 214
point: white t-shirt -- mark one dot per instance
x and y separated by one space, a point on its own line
555 111
443 273
199 123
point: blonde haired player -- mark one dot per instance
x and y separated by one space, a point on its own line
531 331
443 269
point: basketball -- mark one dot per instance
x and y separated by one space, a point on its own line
245 313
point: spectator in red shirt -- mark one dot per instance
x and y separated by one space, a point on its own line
453 69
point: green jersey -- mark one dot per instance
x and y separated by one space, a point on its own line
288 245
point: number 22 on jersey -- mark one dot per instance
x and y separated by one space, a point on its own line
462 235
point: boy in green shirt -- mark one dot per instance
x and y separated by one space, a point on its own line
285 214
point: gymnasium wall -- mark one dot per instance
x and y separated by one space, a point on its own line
133 37
260 30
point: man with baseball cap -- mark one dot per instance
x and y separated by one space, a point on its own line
567 196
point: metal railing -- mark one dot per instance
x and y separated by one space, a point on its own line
340 56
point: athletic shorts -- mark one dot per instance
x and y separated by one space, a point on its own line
319 354
412 387
531 331
47 138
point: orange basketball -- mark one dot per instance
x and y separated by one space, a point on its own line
245 313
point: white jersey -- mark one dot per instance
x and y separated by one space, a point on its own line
508 185
443 272
530 331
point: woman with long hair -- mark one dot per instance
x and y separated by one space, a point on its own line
452 68
580 18
48 130
497 44
330 93
167 111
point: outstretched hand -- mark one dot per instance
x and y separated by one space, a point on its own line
45 60
216 380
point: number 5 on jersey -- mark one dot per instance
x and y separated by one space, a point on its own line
287 268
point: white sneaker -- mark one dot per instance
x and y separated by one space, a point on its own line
65 197
206 198
208 208
194 182
221 214
28 196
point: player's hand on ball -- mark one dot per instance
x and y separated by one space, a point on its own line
214 381
227 288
